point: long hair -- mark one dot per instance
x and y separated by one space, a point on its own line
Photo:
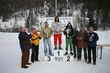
56 19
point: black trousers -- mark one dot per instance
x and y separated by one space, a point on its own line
79 53
35 53
93 50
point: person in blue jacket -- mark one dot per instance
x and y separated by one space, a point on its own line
92 43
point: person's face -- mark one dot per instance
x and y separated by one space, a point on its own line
46 25
82 30
56 19
34 31
22 29
26 29
91 29
86 29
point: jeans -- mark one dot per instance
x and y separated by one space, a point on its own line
47 47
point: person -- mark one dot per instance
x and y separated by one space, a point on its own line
25 45
82 43
46 34
68 32
92 43
74 41
36 36
57 28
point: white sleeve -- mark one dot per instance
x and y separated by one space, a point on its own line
53 26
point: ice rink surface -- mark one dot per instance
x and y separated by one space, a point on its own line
10 59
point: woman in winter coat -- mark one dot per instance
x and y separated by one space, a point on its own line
82 43
35 40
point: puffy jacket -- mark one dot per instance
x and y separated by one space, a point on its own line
82 40
35 38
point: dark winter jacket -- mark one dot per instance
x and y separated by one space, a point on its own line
82 40
69 31
24 40
93 38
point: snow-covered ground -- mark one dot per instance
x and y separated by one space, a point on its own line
10 58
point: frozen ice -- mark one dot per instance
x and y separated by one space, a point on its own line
10 58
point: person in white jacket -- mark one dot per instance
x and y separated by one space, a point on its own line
57 29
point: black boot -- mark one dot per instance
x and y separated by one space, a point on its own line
89 62
55 48
71 53
66 53
36 60
79 59
74 56
60 47
32 61
24 66
49 58
86 60
94 63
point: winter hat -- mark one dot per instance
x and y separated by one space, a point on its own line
46 23
33 28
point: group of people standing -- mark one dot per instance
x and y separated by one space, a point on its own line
76 41
85 39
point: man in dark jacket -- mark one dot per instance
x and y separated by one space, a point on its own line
92 43
25 45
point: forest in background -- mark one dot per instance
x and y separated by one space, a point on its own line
98 8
